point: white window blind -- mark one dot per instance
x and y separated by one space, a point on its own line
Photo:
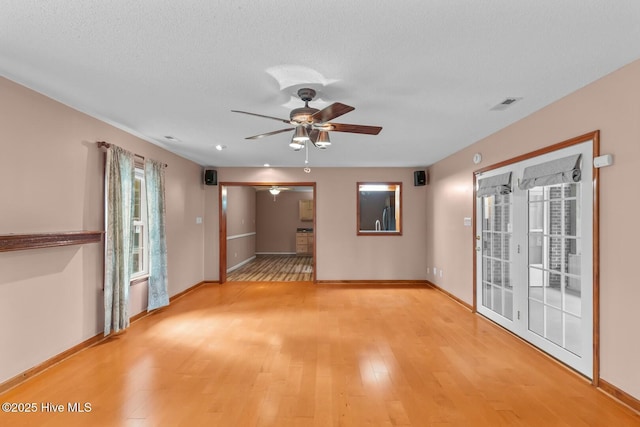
494 185
559 171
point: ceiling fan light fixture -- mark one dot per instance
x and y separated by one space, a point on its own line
301 134
296 145
323 139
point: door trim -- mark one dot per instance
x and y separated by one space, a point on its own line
591 136
222 216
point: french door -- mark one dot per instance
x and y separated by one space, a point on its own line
534 249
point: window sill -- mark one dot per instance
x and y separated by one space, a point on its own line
139 279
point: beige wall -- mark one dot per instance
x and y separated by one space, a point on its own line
278 220
51 179
241 225
611 105
340 253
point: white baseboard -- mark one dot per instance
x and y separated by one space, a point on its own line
240 264
275 253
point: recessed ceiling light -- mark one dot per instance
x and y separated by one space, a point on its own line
266 165
220 147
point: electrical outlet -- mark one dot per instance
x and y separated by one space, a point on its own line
427 270
440 272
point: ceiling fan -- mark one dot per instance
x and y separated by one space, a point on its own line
274 190
311 124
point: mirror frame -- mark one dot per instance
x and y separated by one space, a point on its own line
398 209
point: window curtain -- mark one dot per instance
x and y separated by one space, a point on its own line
494 185
559 171
119 177
154 182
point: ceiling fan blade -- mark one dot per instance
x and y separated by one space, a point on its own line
262 135
331 112
261 115
342 127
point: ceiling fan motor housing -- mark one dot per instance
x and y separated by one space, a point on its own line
303 114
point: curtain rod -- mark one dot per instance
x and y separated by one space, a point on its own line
105 144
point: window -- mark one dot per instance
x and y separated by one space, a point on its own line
379 208
140 262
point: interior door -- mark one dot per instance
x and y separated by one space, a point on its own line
534 252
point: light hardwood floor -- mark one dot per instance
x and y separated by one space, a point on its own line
270 268
299 354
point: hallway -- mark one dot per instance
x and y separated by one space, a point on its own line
274 268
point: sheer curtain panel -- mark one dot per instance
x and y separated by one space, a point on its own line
119 177
158 288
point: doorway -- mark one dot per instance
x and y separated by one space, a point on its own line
259 231
535 251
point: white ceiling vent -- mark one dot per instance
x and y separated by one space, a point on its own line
508 102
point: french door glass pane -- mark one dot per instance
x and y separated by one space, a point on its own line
506 246
506 275
486 295
497 299
554 265
570 226
553 292
486 270
536 282
536 317
554 329
496 245
573 333
496 266
508 304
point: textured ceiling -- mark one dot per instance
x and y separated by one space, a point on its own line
428 72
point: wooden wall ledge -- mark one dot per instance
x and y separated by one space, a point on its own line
18 242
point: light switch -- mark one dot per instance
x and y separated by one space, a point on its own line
198 220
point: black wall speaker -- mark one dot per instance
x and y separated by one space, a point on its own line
210 177
419 178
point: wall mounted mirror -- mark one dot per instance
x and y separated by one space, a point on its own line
379 208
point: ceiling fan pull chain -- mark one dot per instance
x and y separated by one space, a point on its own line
306 147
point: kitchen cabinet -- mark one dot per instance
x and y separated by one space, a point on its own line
304 243
306 210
